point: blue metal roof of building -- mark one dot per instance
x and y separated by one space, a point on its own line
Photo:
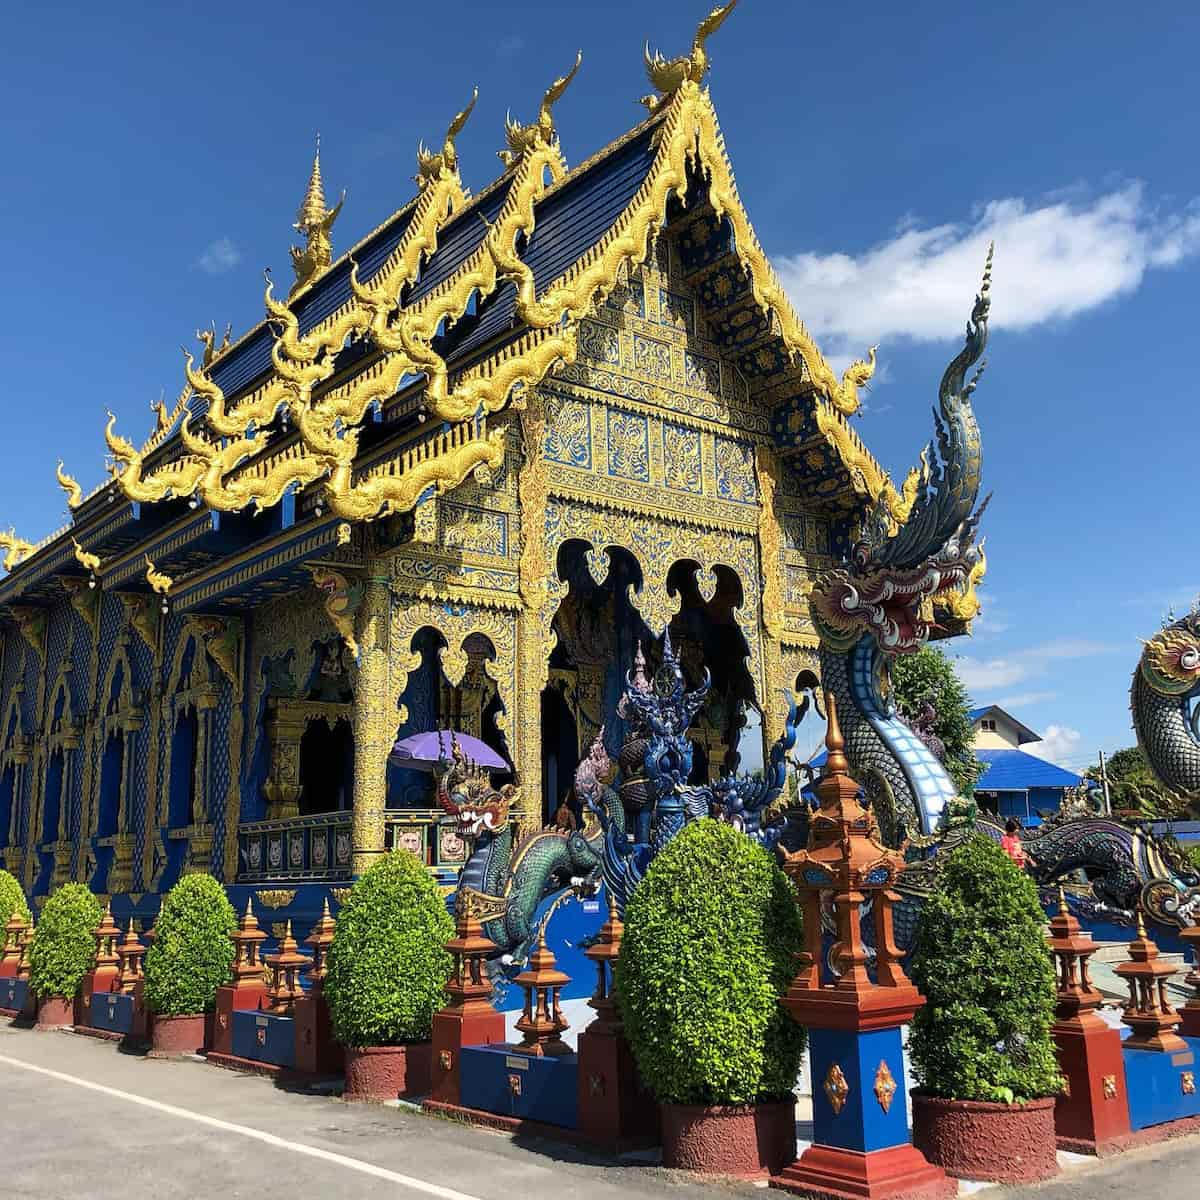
1016 771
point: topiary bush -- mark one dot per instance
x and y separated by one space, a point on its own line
388 964
12 899
981 960
63 948
710 938
192 954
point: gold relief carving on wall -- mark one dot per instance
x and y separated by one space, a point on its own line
628 446
276 897
681 458
734 470
599 342
468 528
568 437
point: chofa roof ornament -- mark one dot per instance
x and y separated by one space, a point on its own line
668 75
315 221
524 138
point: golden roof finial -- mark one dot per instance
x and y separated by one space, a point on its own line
669 75
312 207
15 549
315 221
70 486
1141 923
524 138
1062 902
432 166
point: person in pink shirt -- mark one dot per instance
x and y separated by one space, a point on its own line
1010 843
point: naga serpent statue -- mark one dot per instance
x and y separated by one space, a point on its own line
885 601
506 875
1165 700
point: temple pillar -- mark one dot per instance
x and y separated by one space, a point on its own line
375 720
533 655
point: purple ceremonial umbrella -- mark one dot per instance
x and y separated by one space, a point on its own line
421 751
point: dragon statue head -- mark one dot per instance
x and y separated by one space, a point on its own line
898 576
1171 660
465 792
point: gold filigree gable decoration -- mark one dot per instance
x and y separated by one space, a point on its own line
141 614
667 75
31 624
523 140
15 549
836 1088
69 485
276 897
315 222
433 166
85 600
885 1086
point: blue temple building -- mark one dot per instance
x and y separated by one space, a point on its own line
1016 783
451 480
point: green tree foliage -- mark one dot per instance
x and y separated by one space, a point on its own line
929 677
12 899
710 938
1133 785
982 962
63 948
388 964
192 953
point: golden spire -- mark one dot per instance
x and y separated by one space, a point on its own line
668 75
315 221
312 207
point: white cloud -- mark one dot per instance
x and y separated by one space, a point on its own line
1053 261
982 675
1025 699
219 256
1062 745
510 46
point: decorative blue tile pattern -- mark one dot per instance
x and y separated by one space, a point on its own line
628 446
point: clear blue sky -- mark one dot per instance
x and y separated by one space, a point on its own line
155 157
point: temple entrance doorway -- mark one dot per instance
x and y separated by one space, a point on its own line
326 767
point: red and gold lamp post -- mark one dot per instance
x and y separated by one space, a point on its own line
861 1145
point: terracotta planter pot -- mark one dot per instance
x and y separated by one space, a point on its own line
179 1035
388 1072
55 1012
751 1141
972 1139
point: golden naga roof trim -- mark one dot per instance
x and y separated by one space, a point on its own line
667 75
159 583
209 337
434 166
316 222
524 139
88 561
16 549
69 485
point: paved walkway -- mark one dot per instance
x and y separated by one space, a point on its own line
81 1118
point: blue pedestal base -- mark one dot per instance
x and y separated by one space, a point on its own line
501 1080
1162 1087
14 993
111 1011
261 1037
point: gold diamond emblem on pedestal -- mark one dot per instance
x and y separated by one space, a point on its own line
885 1086
836 1088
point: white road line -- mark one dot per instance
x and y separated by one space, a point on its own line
341 1160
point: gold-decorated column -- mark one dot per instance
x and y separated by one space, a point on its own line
375 720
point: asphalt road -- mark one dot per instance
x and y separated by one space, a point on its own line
1155 1173
79 1118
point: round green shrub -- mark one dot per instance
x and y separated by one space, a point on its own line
192 954
12 899
981 960
388 964
63 948
710 938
